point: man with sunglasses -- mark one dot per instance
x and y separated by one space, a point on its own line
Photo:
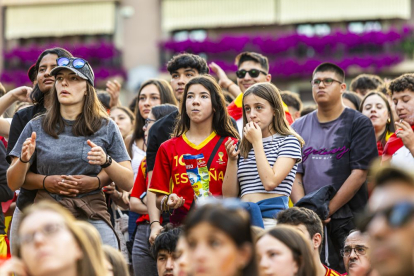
339 146
251 68
356 257
389 222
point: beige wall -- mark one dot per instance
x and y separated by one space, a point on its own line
141 33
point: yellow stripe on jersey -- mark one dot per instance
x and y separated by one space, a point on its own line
200 146
158 191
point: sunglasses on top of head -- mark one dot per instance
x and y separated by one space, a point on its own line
77 63
254 73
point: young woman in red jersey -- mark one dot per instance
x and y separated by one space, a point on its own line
203 125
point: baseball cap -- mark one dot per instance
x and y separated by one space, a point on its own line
78 66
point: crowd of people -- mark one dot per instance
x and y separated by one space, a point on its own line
94 187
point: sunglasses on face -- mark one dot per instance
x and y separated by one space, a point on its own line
254 73
396 216
77 63
325 82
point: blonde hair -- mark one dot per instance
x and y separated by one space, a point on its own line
95 239
89 264
116 259
280 125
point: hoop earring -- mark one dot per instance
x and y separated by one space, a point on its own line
388 120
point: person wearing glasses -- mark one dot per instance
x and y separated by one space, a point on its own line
389 221
340 143
251 68
75 137
355 254
50 242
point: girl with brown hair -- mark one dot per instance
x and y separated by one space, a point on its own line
203 126
151 93
377 108
284 251
74 138
270 151
50 242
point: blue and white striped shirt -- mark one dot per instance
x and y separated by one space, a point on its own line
274 147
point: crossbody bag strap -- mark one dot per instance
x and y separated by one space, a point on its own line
213 153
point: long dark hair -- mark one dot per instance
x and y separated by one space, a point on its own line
298 245
280 125
88 121
221 120
38 96
166 95
389 126
234 222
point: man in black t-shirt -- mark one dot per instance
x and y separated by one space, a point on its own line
339 146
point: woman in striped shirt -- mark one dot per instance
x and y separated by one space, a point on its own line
270 151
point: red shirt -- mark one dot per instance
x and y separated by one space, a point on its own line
140 186
170 176
331 272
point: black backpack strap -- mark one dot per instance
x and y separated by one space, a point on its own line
213 153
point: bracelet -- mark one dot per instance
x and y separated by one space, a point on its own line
155 221
99 182
142 199
44 188
20 158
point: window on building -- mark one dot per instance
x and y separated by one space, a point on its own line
364 27
313 29
194 35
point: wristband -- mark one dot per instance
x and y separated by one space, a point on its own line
20 158
155 221
99 186
44 188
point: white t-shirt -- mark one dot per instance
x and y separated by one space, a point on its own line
403 158
137 156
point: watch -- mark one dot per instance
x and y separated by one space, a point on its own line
108 162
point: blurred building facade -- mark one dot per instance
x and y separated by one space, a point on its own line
134 38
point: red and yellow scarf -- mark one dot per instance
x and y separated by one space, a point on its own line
394 143
235 109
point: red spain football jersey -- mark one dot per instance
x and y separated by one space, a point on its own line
140 186
331 272
170 176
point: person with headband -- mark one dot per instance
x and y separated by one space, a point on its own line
75 137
